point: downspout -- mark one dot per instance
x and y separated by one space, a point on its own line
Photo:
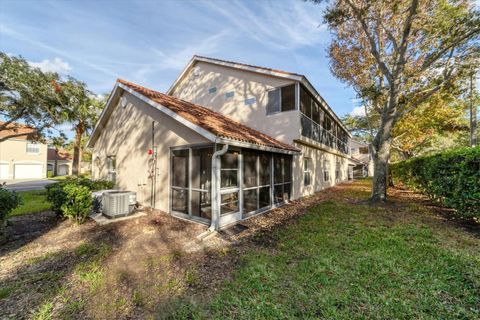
215 188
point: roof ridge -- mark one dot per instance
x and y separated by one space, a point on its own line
249 65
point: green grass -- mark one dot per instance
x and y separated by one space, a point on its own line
33 201
344 261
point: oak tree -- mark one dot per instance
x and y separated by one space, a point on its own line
397 55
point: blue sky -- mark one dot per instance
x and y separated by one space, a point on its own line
149 42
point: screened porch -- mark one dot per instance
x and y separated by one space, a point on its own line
244 182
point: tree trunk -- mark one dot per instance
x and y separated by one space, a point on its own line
380 163
79 130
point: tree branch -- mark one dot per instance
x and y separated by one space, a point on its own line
373 47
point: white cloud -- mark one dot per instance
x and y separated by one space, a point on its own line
55 65
358 111
276 25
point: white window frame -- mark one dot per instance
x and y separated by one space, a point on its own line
35 145
307 164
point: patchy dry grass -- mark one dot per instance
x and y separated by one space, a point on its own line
328 256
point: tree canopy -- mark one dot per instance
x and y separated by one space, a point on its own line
27 95
397 55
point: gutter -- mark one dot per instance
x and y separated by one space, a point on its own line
215 223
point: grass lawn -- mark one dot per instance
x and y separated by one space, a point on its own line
344 261
33 201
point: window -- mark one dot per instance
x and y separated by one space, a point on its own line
229 95
326 171
288 98
180 181
249 101
281 99
112 168
33 147
212 90
307 171
363 150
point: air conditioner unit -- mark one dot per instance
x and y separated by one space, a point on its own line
118 203
98 200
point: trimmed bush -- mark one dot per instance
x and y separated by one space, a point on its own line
58 193
451 177
9 200
78 202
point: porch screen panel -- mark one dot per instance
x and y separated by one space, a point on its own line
282 178
201 182
180 181
229 182
256 180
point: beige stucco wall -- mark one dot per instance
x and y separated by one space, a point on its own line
283 126
127 135
14 151
317 157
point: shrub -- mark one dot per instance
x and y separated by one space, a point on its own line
451 177
78 202
9 200
58 195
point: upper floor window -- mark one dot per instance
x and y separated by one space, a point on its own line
229 95
250 101
33 148
281 99
212 90
363 150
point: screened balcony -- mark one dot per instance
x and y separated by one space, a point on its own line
250 182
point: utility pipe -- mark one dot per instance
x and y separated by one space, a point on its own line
215 189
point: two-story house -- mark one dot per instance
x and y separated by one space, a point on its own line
226 142
361 159
20 156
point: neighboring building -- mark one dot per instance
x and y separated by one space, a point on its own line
59 162
226 142
20 157
361 159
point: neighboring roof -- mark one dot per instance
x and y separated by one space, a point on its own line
208 121
62 154
27 132
264 70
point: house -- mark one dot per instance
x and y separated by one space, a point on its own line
59 162
361 159
21 157
226 142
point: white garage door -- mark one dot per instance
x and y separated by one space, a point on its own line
28 171
62 170
3 170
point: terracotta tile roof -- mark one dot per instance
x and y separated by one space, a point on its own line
249 65
62 154
17 128
209 120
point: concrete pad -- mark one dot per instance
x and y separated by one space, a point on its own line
102 220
